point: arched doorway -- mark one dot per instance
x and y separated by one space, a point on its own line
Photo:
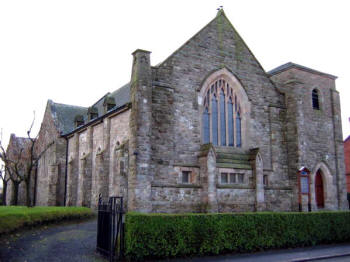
319 192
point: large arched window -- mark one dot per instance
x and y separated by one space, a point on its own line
221 115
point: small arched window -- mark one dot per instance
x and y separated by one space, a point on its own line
315 100
221 116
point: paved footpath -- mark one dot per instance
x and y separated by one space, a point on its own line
65 242
326 253
77 241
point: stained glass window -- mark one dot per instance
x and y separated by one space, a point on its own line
222 119
230 122
238 130
214 110
219 98
206 127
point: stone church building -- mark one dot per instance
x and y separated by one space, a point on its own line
206 130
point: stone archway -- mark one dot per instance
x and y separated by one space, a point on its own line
239 97
322 186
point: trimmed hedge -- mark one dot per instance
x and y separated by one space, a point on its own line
15 217
179 235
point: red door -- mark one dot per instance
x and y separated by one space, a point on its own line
319 190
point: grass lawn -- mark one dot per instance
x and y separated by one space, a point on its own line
14 217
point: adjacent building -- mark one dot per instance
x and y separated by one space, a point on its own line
347 163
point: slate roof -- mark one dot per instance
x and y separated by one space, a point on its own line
121 97
290 65
64 115
99 105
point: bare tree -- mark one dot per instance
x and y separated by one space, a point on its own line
31 164
13 171
5 179
21 166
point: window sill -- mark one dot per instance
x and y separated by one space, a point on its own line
277 188
177 186
234 186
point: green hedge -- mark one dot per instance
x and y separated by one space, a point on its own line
15 217
165 236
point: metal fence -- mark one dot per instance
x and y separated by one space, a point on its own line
110 228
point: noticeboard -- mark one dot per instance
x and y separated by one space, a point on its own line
304 185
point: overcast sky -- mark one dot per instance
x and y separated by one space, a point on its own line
74 52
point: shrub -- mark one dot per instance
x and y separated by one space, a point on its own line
14 217
178 235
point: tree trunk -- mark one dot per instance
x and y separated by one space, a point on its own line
4 192
28 200
15 193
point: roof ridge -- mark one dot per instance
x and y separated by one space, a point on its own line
67 105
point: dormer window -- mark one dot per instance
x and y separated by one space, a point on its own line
109 103
93 113
79 120
315 100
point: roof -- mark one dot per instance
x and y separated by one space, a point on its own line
121 97
99 105
219 14
64 116
16 144
291 65
347 139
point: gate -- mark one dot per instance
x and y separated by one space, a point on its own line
110 228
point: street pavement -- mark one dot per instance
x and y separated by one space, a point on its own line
336 252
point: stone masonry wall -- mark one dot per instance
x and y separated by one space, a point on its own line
91 172
119 161
314 137
176 108
52 163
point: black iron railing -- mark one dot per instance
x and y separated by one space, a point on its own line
110 228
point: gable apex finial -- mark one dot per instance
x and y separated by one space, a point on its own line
220 9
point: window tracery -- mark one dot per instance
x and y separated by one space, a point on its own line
221 116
